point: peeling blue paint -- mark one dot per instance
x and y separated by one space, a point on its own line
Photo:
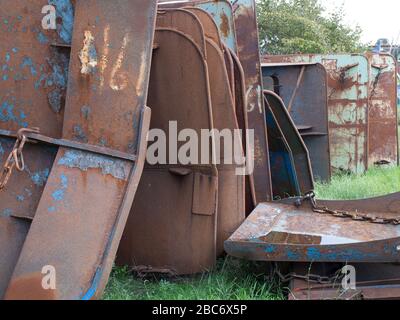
27 62
85 160
65 12
7 114
42 38
58 195
39 178
314 254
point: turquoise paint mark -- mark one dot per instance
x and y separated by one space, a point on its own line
85 110
39 178
27 62
93 288
51 209
5 77
8 57
294 256
313 254
270 249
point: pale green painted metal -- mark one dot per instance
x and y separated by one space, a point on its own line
348 93
222 13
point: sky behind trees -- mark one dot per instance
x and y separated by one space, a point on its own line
377 18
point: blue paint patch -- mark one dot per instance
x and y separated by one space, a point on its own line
270 249
51 209
313 254
8 57
59 194
79 134
85 160
15 50
7 114
5 77
20 198
7 212
65 13
27 62
292 256
42 38
39 178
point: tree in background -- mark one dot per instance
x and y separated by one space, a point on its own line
304 26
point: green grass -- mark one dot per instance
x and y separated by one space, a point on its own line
231 280
375 182
239 280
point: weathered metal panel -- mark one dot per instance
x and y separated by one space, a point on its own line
303 88
382 111
245 28
348 88
32 93
87 198
176 230
284 232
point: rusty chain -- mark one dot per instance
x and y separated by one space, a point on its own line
15 160
310 278
310 196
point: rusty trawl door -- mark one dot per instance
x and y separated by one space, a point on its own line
88 195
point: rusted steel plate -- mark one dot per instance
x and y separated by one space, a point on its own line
248 52
303 87
298 150
348 86
244 28
373 282
282 232
173 222
87 198
231 212
231 185
32 94
382 112
183 20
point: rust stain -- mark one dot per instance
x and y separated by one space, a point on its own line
224 27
